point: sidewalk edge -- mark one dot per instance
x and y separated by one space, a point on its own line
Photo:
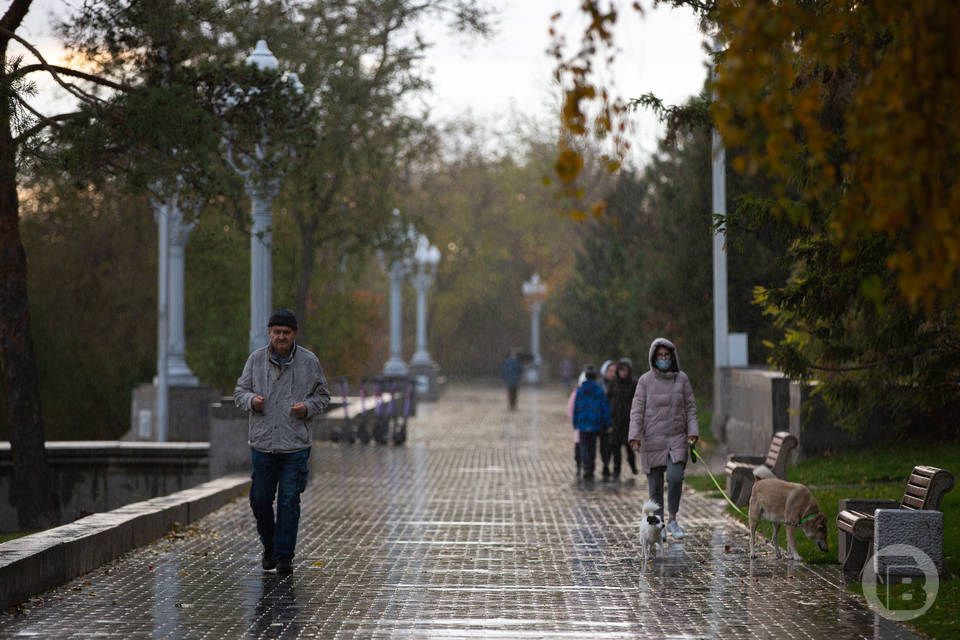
41 561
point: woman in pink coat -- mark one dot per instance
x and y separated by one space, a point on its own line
663 422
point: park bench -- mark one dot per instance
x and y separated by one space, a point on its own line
740 467
863 524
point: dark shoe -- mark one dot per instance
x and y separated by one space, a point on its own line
606 472
588 476
284 566
269 561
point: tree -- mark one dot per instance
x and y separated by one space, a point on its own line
31 492
485 211
358 62
643 271
25 135
841 111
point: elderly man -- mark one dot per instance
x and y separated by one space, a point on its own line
284 389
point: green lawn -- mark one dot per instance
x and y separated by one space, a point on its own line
878 473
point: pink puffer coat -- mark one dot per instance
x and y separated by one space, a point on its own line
664 412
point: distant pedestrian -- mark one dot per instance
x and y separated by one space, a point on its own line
284 389
620 394
576 433
510 372
591 416
608 372
663 420
566 372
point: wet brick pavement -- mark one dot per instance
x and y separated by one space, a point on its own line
476 528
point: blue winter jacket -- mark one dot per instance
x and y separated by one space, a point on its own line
591 411
511 370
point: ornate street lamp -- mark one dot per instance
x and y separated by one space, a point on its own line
534 292
422 367
261 182
397 267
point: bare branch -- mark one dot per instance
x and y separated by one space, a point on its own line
55 71
66 71
45 121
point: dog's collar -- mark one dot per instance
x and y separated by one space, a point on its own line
807 517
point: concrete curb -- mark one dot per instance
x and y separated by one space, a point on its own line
38 562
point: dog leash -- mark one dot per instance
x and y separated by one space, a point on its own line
717 484
735 507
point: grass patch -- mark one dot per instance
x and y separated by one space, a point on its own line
880 472
6 537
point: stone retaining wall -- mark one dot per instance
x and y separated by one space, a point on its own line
38 562
95 476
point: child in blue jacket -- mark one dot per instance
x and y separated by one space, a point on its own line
591 416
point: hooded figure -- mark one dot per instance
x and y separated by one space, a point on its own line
663 414
663 419
620 393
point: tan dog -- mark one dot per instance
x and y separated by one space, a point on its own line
790 504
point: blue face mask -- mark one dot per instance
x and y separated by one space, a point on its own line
663 365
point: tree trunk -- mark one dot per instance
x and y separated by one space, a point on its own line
31 491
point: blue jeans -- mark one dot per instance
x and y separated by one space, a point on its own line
283 475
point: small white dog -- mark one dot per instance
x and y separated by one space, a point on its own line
651 530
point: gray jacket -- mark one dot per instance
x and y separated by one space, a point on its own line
301 379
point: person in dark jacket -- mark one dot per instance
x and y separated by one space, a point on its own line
591 416
284 389
510 372
620 394
606 377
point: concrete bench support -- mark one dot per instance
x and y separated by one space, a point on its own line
920 529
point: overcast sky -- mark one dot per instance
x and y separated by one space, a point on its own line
660 52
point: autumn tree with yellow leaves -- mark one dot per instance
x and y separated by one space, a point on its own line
847 109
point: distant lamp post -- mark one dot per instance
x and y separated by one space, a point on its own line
172 369
422 367
261 186
426 258
534 292
396 270
178 373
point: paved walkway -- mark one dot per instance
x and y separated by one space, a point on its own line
476 528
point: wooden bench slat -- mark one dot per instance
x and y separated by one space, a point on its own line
919 480
912 502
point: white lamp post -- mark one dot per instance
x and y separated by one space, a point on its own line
427 257
534 291
178 372
397 270
262 188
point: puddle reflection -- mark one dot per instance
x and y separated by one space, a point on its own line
275 613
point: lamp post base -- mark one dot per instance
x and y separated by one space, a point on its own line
395 367
531 374
426 377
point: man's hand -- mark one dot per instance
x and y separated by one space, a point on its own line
299 410
257 404
635 445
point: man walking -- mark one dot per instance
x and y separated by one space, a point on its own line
510 372
284 389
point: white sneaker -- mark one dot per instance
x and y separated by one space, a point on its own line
674 528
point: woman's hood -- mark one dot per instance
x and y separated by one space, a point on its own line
669 345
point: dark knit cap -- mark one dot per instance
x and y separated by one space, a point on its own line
283 317
590 372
